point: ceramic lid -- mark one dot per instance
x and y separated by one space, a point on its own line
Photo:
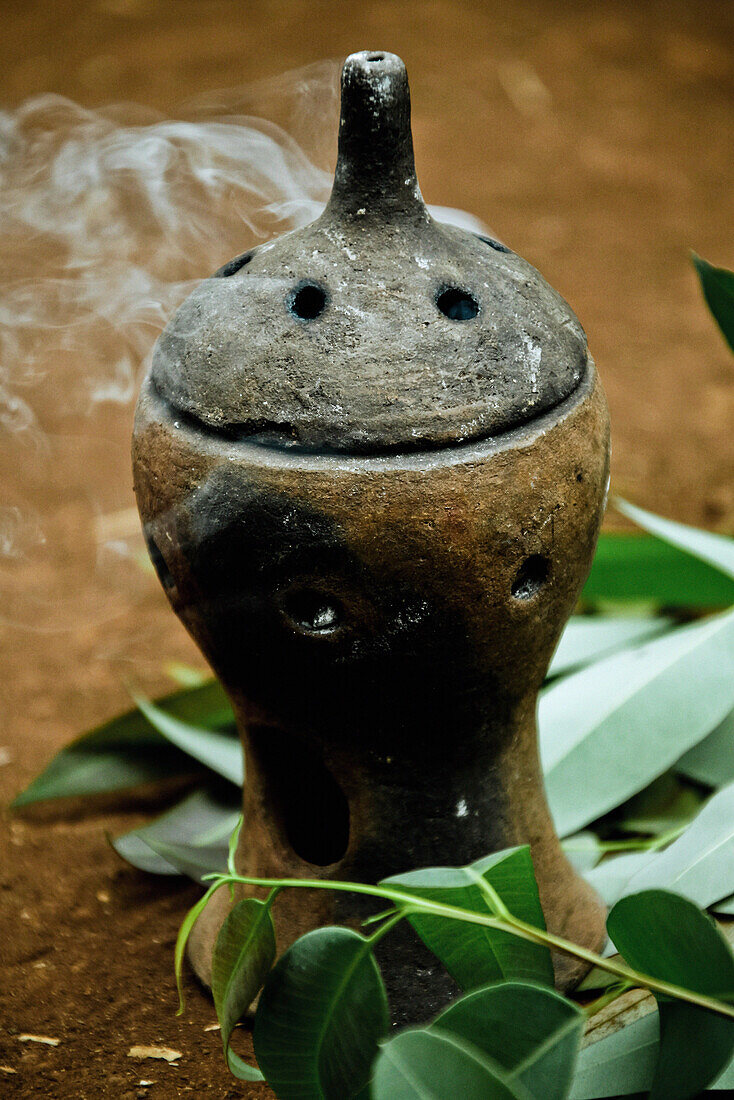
375 329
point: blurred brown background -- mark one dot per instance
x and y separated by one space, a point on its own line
596 139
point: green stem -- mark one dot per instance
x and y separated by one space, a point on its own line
507 923
607 998
385 928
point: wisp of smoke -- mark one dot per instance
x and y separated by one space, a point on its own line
107 220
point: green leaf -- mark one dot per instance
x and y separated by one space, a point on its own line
186 675
426 1065
243 955
128 750
531 1031
676 689
619 1064
632 567
472 954
587 638
182 939
221 752
700 864
712 760
191 838
718 289
320 1017
667 937
716 550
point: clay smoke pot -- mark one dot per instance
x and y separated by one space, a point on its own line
370 460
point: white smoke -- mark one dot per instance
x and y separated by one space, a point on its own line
107 219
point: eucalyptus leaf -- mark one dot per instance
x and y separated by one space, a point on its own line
472 954
611 876
190 839
700 864
221 752
725 907
621 1063
631 568
587 638
667 937
320 1017
427 1065
664 805
609 730
712 760
718 289
243 955
128 750
530 1030
583 851
716 550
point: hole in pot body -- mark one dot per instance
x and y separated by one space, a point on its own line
159 564
530 577
312 611
307 803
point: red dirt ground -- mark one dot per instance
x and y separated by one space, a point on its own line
596 140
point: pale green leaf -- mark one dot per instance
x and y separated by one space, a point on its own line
620 1064
716 550
221 752
609 730
623 1063
128 750
712 760
583 851
587 638
191 838
611 876
700 864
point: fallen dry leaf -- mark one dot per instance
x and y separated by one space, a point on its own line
213 1027
165 1054
7 1069
39 1039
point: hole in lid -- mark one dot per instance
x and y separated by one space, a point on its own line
375 57
312 611
496 245
307 301
457 304
234 265
530 577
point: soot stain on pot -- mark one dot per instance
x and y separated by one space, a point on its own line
380 664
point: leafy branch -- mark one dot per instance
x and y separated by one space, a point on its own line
501 921
310 997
